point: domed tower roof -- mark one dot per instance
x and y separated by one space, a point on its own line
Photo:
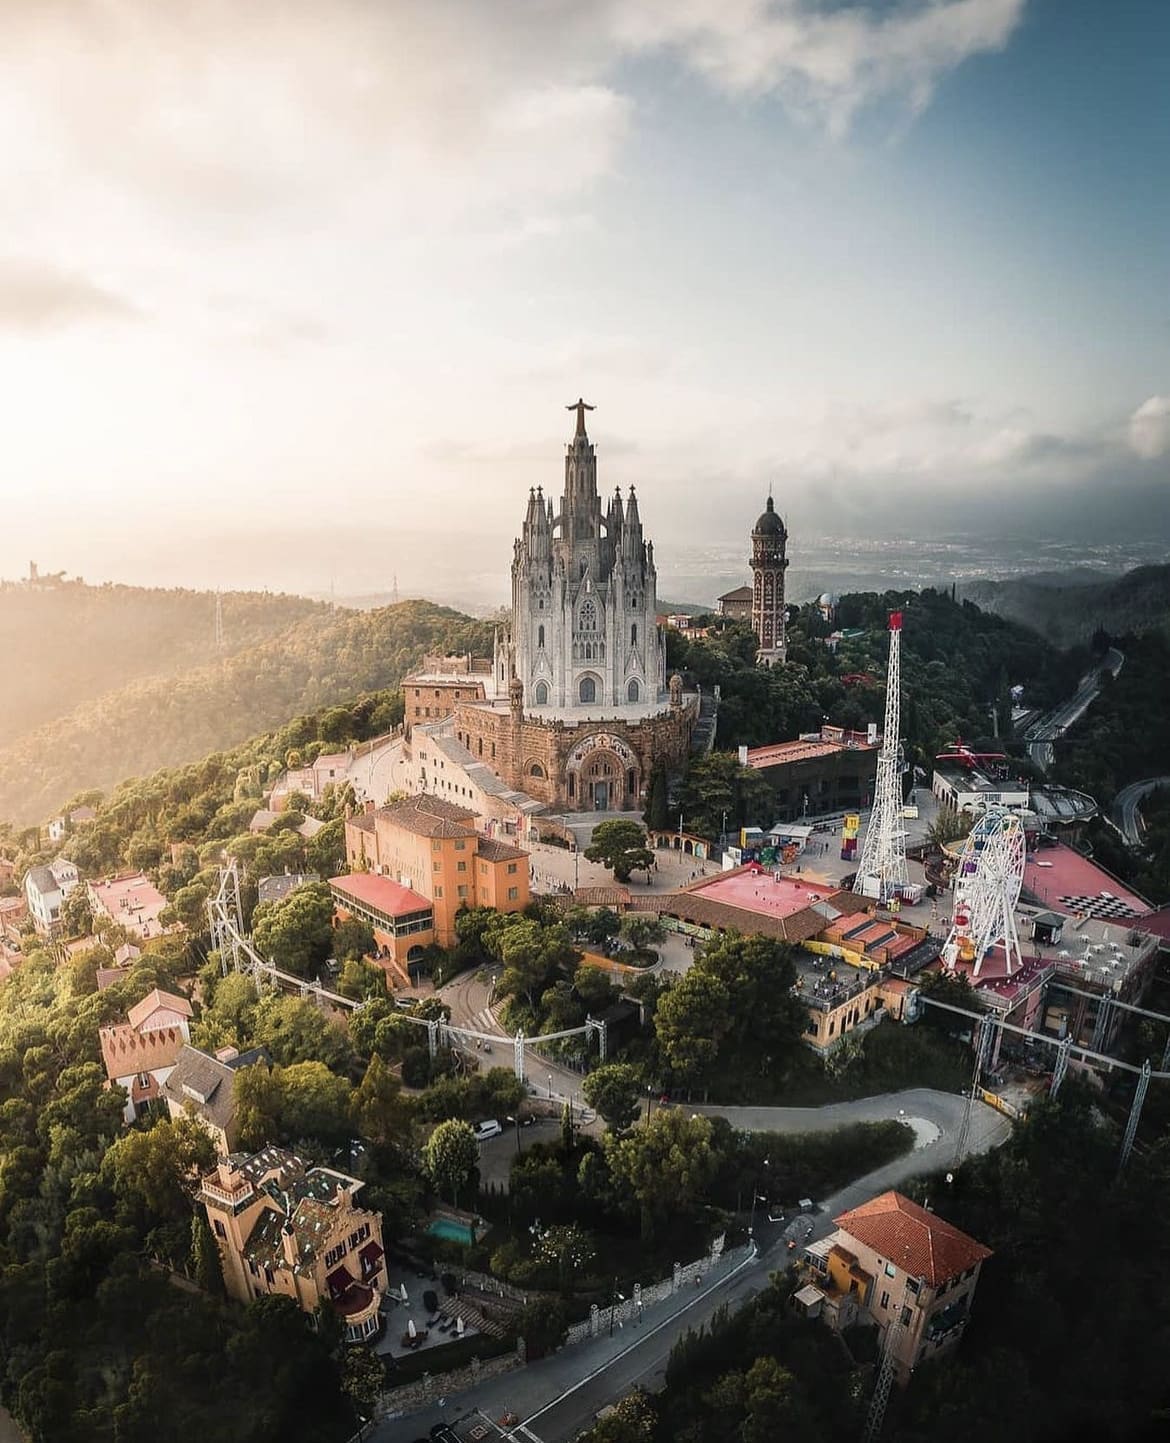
769 523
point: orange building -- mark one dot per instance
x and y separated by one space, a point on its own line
432 848
284 1227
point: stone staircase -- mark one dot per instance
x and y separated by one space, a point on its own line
703 737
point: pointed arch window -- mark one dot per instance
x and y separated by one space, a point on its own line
541 693
587 616
633 633
540 636
632 691
587 691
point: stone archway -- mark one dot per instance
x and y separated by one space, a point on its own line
606 775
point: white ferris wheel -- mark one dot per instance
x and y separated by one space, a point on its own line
987 888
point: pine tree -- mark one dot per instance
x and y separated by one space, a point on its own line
205 1257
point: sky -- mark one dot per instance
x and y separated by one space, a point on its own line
294 293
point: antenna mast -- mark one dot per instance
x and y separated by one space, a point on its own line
218 620
882 868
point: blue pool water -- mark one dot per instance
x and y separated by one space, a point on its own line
451 1230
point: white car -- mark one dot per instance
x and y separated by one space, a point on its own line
485 1130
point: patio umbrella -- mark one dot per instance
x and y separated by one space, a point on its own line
411 1329
459 1326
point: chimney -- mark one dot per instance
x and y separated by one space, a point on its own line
344 1197
369 808
288 1241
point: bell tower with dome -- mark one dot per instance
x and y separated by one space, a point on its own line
769 562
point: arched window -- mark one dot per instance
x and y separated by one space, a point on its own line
542 690
587 616
540 636
536 770
587 691
632 691
634 633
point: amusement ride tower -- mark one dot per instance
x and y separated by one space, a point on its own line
881 871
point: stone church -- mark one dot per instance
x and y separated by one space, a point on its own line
580 710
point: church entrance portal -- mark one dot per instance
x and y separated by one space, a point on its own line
608 781
601 796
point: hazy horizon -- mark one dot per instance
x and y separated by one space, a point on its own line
297 299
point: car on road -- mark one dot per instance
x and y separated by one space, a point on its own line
488 1129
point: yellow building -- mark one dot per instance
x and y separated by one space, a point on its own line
892 1262
432 847
282 1227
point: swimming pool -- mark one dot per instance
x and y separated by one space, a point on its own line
452 1231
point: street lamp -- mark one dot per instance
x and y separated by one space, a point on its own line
649 1100
516 1120
756 1197
550 1087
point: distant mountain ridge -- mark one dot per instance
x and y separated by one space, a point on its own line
327 658
1069 610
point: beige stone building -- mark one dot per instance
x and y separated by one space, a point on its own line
893 1263
573 709
283 1227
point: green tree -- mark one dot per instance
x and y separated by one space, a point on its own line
205 1260
615 1090
353 939
621 846
691 1021
642 930
315 1103
657 803
363 1378
296 932
543 1324
380 1112
668 1164
76 914
450 1157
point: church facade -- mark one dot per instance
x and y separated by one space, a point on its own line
582 711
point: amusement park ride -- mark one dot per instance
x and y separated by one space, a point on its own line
987 888
881 870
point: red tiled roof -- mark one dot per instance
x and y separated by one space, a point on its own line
387 896
914 1240
125 1051
157 1001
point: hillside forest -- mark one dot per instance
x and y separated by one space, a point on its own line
169 720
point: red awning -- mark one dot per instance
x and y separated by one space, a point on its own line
370 1254
338 1280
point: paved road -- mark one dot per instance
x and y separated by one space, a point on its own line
1126 808
1041 734
559 1396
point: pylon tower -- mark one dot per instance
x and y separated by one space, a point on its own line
881 870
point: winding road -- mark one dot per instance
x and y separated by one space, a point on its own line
1126 808
559 1396
1042 733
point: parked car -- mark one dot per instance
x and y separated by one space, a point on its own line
486 1130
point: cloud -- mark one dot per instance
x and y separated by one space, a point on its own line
824 62
39 296
1149 428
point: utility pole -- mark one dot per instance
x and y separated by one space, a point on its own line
218 621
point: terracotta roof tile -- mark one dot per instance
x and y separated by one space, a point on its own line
914 1240
429 816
